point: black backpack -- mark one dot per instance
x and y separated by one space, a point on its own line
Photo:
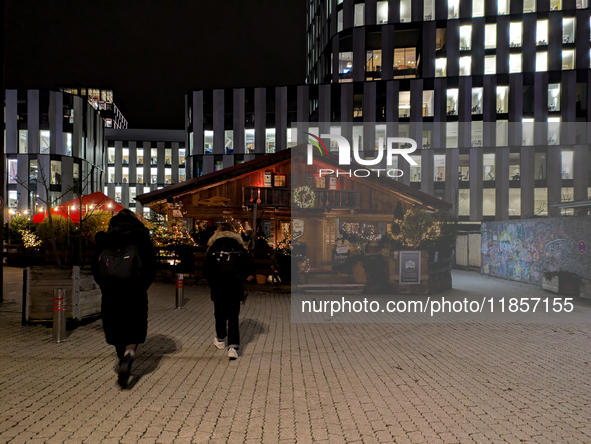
120 265
224 263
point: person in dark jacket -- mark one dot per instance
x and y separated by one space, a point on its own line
226 266
125 304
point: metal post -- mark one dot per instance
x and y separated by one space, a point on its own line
179 290
59 315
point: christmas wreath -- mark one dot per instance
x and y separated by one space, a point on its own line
304 197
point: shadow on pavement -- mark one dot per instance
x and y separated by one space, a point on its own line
149 355
249 329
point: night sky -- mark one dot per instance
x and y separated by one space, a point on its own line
151 53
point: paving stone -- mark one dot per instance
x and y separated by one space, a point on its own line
333 383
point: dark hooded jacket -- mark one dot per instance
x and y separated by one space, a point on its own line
125 307
227 286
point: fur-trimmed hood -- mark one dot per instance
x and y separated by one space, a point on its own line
225 234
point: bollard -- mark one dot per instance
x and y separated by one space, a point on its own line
179 290
59 315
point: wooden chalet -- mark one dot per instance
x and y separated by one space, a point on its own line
260 192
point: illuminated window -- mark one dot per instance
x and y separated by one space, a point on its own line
404 59
515 31
514 166
182 157
440 34
428 97
453 9
167 175
111 155
541 201
405 10
555 5
139 174
207 142
568 30
488 163
568 59
554 131
125 157
439 167
154 156
515 63
541 61
476 133
477 94
140 156
502 132
465 64
464 167
346 66
514 201
415 170
488 201
359 14
249 141
373 62
12 170
382 12
340 20
490 36
125 174
490 64
440 67
582 4
111 174
153 175
270 140
542 32
464 202
554 97
429 10
22 141
44 142
567 164
452 102
451 135
477 8
502 7
527 132
529 6
404 104
465 37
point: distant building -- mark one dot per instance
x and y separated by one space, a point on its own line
101 100
51 135
140 161
467 80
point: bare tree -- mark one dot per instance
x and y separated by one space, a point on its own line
41 180
80 190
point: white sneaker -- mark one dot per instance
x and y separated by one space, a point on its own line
219 344
232 353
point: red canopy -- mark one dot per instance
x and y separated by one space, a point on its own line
74 208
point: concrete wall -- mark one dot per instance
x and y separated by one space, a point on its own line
522 250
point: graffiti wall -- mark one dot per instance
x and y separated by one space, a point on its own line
522 250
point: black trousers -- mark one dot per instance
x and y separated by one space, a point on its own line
226 313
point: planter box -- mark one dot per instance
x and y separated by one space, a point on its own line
83 296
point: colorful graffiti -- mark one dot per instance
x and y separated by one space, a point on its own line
523 250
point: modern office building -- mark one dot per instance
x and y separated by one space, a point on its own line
140 161
495 92
54 143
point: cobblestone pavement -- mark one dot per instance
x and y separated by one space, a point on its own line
297 383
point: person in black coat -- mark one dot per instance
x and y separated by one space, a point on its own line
124 304
226 265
